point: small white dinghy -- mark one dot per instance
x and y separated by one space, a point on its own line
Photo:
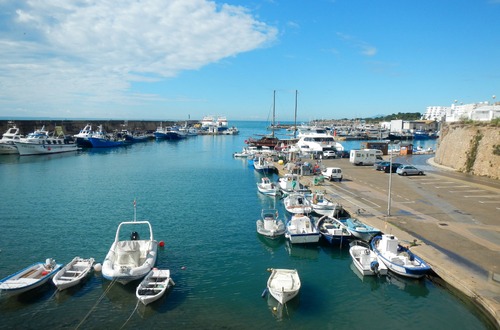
29 278
73 273
283 284
366 261
154 285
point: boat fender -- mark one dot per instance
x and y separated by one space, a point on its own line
374 266
134 236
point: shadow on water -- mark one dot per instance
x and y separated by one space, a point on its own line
302 251
415 287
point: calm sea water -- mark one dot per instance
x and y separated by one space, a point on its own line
203 204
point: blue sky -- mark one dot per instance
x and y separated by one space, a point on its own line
179 59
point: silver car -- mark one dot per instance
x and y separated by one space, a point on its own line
409 170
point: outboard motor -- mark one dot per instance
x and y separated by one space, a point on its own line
374 266
134 236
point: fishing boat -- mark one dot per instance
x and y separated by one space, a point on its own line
365 260
321 205
7 145
267 187
264 164
283 284
270 226
154 285
73 273
29 278
100 139
398 258
333 230
300 229
82 138
359 229
41 142
290 182
130 259
297 203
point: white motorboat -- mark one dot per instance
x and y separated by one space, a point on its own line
154 285
7 145
132 259
290 183
333 230
297 203
283 284
29 278
40 142
300 229
270 226
365 260
321 205
267 187
398 258
317 139
73 273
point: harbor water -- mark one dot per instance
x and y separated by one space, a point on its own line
203 204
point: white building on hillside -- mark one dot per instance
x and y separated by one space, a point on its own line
482 111
435 113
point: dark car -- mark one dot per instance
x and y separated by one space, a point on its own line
380 164
343 154
387 168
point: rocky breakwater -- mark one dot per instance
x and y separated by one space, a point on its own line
472 148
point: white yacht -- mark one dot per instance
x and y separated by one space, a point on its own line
7 145
317 139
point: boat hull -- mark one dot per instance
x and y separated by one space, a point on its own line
153 286
283 284
26 149
367 261
399 259
28 278
8 149
73 273
105 143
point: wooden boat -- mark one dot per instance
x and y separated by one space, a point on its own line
73 273
283 284
365 260
29 278
333 230
398 258
154 285
359 229
270 226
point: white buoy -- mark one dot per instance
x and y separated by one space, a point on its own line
97 267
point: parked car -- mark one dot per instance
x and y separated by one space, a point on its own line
381 163
409 170
329 154
343 154
387 168
332 173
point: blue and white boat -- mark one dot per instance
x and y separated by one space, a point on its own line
29 278
264 165
359 229
397 258
169 133
300 229
333 230
82 138
100 139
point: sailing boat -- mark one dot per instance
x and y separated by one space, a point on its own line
268 140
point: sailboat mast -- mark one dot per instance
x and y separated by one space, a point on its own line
274 112
295 120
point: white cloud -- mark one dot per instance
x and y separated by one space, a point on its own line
361 46
60 52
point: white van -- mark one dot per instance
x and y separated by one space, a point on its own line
365 156
332 173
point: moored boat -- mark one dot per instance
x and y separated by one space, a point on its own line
269 225
82 138
264 164
333 230
73 273
267 187
297 203
40 142
283 284
7 143
29 278
300 229
359 229
101 139
365 260
154 285
321 205
398 258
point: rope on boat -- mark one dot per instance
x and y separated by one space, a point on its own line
97 303
136 306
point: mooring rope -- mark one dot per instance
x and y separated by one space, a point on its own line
97 303
136 306
42 306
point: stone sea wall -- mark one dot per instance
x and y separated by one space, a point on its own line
470 148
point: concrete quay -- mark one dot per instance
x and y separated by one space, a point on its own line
456 233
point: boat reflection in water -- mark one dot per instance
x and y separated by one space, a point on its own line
282 311
415 287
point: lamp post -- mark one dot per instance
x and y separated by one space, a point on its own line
391 143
